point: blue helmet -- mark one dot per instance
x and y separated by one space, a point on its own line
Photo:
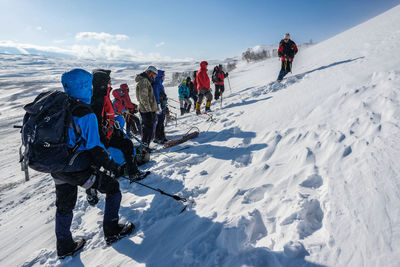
77 83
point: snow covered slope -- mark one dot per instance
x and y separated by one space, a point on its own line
301 173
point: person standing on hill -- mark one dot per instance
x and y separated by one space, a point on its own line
218 77
84 170
184 95
287 50
192 91
147 103
158 88
203 87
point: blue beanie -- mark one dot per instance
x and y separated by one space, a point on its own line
77 83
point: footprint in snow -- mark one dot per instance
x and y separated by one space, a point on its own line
309 218
255 194
347 151
312 181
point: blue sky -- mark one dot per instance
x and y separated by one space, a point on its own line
169 29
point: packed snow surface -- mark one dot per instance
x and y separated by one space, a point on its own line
300 173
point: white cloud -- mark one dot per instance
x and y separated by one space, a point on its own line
22 47
101 36
160 44
39 28
104 50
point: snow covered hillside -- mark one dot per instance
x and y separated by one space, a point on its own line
299 173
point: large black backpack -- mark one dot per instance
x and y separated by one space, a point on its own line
45 132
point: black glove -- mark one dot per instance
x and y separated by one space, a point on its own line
226 75
91 196
119 171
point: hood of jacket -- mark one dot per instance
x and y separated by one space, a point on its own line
158 80
77 83
118 94
100 82
143 76
203 65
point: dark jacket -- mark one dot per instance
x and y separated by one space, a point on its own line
288 50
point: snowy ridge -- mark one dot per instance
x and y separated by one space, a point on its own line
299 173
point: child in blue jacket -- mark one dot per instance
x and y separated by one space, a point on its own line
184 97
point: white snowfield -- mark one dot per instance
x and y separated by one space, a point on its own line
301 173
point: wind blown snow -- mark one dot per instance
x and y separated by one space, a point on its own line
299 173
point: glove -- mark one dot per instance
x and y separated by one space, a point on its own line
159 111
115 170
118 172
91 196
226 74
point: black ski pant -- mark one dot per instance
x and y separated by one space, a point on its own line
160 129
285 69
66 196
148 121
194 97
133 124
219 89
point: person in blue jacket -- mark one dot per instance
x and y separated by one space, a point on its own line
184 94
84 170
161 98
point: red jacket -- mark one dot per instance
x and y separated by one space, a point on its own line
202 79
220 77
108 116
122 102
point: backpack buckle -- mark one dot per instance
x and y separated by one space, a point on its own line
46 144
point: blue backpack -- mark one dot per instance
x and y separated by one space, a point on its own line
45 132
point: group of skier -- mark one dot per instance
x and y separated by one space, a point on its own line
97 126
200 88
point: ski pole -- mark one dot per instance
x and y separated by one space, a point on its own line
177 198
173 107
229 82
173 100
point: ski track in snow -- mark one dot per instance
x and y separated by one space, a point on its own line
298 173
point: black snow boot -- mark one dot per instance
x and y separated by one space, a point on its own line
188 108
183 111
69 247
114 231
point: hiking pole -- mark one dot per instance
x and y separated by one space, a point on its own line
229 82
177 198
173 100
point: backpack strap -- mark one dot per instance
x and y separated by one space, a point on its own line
79 109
